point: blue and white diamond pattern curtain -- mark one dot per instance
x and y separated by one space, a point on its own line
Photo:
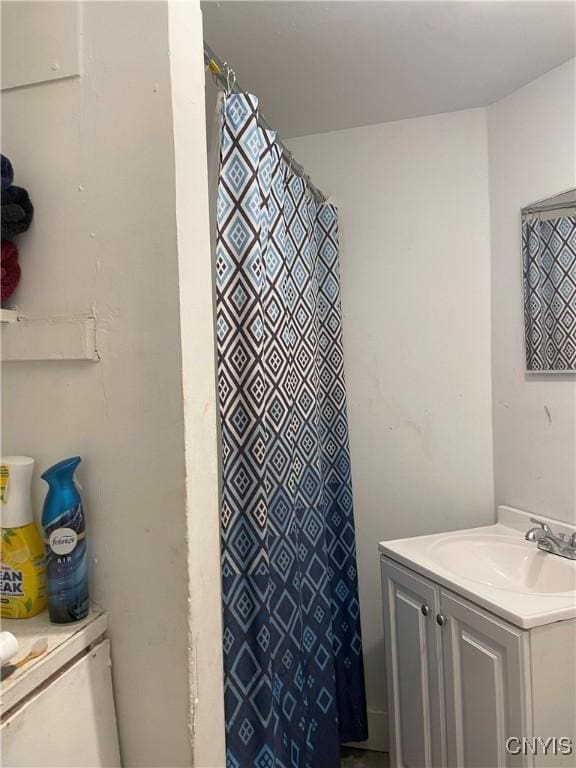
549 260
294 680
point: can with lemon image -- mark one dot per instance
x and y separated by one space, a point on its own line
22 557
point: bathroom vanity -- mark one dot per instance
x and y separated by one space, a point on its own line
480 634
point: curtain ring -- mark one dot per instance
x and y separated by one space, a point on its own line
230 79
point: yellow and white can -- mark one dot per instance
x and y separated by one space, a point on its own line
22 555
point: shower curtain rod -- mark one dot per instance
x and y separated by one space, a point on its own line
225 77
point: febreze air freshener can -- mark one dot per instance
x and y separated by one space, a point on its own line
65 540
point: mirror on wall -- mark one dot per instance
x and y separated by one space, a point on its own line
549 278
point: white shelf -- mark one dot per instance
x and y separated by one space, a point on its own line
47 338
8 315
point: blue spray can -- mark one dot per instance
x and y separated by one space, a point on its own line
65 537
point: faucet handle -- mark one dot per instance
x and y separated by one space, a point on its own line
545 527
560 537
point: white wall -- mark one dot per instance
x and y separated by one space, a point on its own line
199 384
415 263
532 155
119 234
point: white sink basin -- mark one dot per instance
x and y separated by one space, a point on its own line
507 564
496 568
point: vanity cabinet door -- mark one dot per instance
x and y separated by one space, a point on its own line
486 679
414 663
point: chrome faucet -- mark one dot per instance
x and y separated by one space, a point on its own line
548 541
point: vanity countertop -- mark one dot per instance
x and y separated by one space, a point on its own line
496 568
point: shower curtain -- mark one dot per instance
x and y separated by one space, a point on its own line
294 680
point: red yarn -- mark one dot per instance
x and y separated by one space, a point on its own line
10 269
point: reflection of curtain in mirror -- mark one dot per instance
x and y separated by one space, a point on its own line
549 261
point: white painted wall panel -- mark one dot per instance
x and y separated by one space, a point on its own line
199 385
532 155
97 154
40 42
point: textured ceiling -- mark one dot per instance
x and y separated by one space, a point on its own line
325 66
